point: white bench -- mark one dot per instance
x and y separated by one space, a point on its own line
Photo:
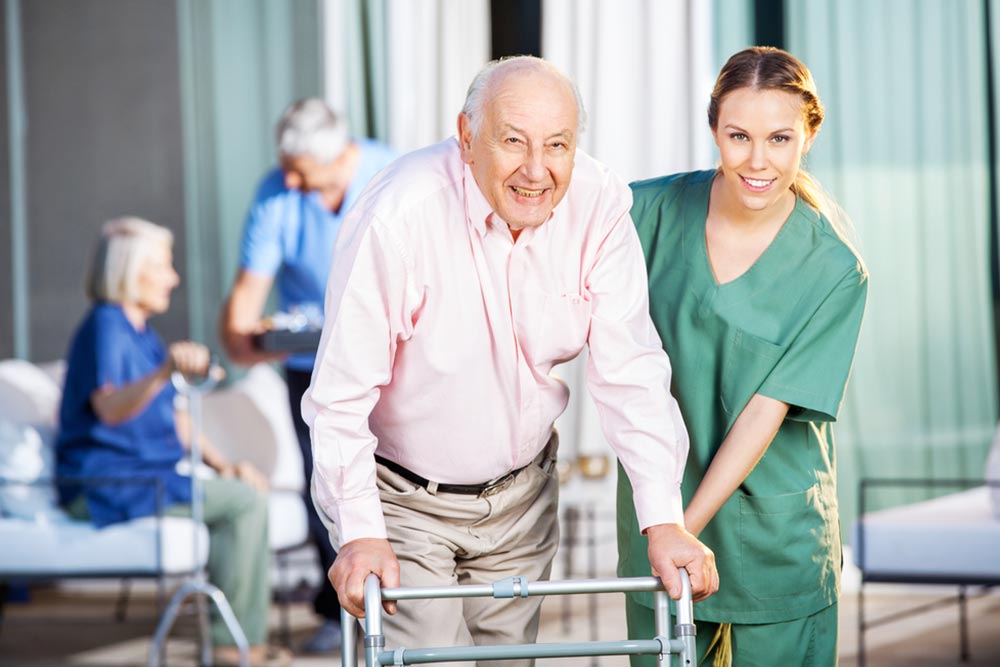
952 540
248 420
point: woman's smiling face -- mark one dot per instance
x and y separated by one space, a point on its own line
762 136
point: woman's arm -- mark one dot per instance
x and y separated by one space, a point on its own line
115 405
740 451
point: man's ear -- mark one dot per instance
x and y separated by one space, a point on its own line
465 138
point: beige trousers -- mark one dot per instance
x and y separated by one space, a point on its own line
445 539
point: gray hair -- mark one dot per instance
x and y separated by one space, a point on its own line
124 246
310 127
494 71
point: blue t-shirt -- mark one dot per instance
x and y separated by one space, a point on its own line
107 350
289 235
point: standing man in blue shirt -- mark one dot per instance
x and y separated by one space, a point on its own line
288 239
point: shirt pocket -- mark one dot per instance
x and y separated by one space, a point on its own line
563 328
748 360
784 543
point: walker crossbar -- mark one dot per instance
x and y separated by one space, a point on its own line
682 645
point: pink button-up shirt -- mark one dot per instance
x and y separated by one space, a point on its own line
441 332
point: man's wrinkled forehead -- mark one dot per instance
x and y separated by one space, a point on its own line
516 93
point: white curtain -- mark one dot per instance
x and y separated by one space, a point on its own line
399 69
645 70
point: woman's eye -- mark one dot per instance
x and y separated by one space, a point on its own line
779 139
738 136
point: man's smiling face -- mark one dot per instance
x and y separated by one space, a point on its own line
522 155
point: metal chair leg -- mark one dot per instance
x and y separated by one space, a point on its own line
963 624
121 606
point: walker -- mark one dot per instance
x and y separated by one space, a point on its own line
682 643
198 584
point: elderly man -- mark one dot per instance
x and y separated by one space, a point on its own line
289 234
464 274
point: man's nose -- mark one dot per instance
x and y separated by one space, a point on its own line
534 164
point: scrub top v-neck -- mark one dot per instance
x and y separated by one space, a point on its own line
786 328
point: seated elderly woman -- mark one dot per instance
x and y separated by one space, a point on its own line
118 419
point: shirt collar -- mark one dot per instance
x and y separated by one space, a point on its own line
477 209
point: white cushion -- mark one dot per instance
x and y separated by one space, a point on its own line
288 525
952 536
238 429
267 389
28 395
25 458
67 547
993 474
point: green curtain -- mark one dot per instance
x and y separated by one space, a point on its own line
360 35
904 150
242 63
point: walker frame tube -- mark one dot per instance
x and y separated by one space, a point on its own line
682 644
199 584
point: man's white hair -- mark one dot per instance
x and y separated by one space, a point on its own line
493 72
310 128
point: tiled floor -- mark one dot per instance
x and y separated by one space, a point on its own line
74 626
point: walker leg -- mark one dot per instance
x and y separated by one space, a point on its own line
156 650
348 629
232 624
204 631
374 639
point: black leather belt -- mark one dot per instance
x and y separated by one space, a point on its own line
466 489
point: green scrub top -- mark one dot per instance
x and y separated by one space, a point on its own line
787 329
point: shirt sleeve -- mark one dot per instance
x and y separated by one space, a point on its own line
628 375
106 349
369 306
812 374
260 248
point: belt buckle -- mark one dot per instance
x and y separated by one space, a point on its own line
499 485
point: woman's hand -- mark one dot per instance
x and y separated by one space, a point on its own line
248 473
189 358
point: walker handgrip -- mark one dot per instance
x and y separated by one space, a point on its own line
188 385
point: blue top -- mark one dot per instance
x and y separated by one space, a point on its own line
290 235
107 350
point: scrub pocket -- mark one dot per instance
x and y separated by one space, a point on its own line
784 543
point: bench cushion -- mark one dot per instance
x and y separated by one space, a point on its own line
949 538
68 548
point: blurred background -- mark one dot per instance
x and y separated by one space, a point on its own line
165 109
